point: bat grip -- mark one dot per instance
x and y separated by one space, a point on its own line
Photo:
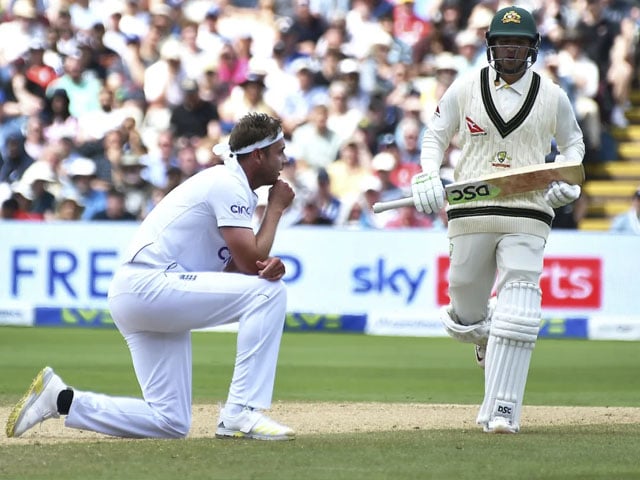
380 207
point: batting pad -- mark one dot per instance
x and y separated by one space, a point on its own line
477 333
514 331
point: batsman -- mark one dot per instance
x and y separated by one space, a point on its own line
503 116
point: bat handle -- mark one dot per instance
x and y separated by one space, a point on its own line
379 207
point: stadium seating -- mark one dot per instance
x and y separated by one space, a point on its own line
611 184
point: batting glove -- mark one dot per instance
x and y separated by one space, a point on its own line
427 191
561 193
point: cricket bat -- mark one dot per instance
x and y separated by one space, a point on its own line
502 184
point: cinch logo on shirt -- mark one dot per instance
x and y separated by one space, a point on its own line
240 209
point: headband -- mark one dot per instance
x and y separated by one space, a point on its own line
224 150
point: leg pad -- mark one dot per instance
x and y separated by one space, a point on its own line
514 331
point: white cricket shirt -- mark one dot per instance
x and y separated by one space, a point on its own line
182 231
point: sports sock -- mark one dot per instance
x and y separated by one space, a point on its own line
65 397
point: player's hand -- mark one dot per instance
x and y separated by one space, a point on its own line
281 194
561 193
428 192
271 269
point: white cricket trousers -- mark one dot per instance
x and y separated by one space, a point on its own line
155 311
481 261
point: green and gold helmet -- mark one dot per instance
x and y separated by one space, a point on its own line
513 22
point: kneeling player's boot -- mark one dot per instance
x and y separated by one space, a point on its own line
37 405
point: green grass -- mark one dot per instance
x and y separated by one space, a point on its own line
338 367
554 454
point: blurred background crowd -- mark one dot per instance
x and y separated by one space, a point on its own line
106 105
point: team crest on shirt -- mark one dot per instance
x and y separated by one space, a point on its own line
474 128
501 160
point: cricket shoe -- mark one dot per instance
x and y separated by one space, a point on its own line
37 405
481 353
500 425
252 424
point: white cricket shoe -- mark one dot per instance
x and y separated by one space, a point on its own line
500 425
481 353
37 405
253 425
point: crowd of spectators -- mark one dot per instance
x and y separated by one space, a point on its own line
106 105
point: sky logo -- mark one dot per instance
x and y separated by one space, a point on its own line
382 278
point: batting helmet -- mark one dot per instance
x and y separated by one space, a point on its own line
513 22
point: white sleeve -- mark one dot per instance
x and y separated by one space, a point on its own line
441 129
231 203
568 132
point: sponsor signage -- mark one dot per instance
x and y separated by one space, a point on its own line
393 277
